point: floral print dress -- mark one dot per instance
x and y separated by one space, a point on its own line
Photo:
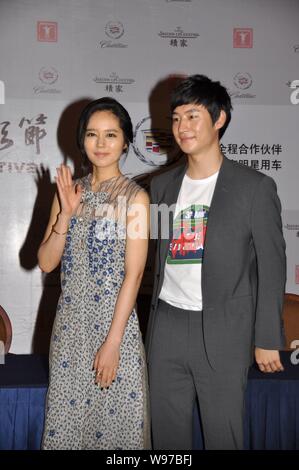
79 415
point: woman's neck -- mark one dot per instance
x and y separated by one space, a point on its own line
98 176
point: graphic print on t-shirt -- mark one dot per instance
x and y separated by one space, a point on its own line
189 230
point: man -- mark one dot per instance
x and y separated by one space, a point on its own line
219 279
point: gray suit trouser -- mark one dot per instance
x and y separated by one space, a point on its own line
179 371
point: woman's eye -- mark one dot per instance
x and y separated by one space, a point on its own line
90 134
111 134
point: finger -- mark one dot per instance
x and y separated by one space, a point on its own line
110 378
59 187
95 363
103 378
69 176
277 366
114 375
272 366
261 367
64 174
106 380
78 189
98 376
59 177
268 368
105 384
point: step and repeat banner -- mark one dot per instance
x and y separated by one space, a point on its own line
58 54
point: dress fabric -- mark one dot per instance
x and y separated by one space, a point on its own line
79 415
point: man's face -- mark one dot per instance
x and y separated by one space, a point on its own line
193 129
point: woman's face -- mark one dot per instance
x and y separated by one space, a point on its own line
104 140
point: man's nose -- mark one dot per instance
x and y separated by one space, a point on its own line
183 125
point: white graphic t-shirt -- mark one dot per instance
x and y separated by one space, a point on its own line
182 277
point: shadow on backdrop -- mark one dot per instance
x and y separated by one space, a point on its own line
155 146
66 139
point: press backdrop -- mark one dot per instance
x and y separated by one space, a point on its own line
56 55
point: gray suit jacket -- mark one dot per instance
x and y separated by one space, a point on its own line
243 271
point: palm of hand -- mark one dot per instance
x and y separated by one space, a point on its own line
69 192
70 199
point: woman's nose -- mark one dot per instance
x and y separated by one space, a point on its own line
100 141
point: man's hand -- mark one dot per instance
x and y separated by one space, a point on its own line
268 360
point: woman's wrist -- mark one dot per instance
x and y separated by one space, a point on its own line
63 218
113 340
61 225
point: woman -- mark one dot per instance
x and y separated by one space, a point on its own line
97 397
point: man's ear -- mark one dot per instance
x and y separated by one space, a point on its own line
221 120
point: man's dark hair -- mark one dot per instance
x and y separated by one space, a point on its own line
199 89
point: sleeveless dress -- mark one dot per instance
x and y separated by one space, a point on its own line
79 415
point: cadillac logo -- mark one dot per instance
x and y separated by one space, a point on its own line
114 29
243 80
155 146
48 75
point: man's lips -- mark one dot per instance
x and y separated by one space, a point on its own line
186 139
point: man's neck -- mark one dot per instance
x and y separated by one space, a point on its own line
203 166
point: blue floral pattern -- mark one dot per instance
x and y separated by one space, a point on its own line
79 414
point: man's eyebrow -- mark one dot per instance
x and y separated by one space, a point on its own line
189 111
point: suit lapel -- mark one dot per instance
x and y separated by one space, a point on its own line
219 200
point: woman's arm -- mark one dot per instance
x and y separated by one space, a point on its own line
51 248
107 357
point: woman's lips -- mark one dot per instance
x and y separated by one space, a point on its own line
101 154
